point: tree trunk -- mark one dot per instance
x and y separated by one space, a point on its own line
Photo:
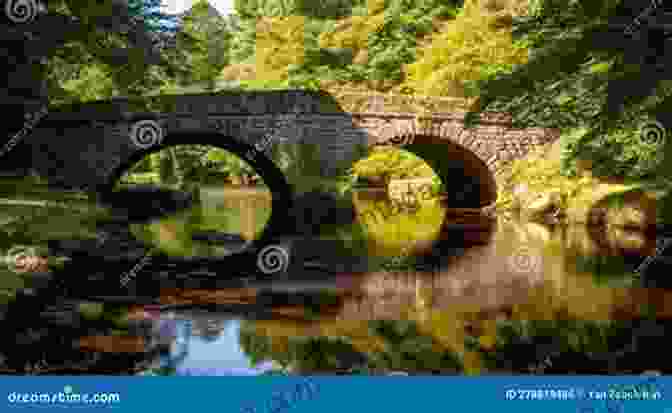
165 167
177 167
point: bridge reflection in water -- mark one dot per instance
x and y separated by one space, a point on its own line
510 271
485 264
527 269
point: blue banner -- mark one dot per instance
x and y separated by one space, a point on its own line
324 394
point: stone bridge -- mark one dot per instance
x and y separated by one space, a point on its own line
81 145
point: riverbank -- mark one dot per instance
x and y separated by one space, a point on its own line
534 189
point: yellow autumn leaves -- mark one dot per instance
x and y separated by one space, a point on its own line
280 44
479 36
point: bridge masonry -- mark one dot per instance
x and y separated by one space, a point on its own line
98 136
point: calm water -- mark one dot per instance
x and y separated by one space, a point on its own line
470 295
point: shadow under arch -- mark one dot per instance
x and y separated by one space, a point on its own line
468 180
281 191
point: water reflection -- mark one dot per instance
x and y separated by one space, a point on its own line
48 337
201 344
428 291
239 213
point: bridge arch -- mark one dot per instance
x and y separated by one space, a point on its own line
469 181
281 190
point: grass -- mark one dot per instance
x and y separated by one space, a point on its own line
33 187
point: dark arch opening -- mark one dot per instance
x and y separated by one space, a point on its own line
468 180
277 225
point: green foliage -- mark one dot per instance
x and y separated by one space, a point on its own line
334 34
269 26
620 152
474 45
384 39
300 164
226 162
587 77
210 51
578 77
322 9
607 270
391 163
405 349
100 58
280 43
557 347
98 63
195 163
93 83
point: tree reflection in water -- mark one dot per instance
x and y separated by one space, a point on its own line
174 336
211 330
404 349
577 347
55 338
566 346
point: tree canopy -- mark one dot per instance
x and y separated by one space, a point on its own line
593 77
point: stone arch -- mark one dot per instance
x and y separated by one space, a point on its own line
469 181
281 192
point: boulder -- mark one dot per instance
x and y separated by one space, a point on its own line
521 193
544 204
638 211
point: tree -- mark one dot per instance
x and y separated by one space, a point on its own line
477 39
73 34
61 41
209 31
249 9
388 163
116 76
597 71
281 39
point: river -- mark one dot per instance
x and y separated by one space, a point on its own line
425 291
